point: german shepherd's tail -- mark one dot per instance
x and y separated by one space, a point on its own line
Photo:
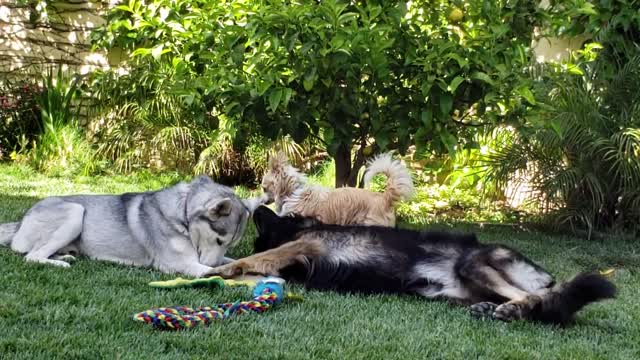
399 182
7 231
564 300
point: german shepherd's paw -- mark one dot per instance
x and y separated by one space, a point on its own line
509 312
244 267
483 309
229 270
516 309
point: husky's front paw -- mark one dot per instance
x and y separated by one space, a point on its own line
66 258
54 262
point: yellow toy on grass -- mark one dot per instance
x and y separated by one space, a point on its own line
213 282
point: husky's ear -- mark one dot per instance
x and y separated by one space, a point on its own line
220 208
278 161
263 217
202 179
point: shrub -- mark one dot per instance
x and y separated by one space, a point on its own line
20 117
582 147
61 148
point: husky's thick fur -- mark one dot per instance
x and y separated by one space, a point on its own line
186 228
494 280
285 185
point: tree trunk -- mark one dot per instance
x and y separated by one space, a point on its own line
346 172
343 165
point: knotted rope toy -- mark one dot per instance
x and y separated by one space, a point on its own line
266 293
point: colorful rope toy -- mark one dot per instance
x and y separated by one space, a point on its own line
266 293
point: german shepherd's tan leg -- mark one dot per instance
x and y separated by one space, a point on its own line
519 304
272 261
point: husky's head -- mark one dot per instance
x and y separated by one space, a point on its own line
274 230
216 219
281 179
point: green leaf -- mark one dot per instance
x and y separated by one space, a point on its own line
347 17
479 75
461 62
449 141
124 8
587 9
574 69
446 103
141 52
308 84
427 119
188 99
228 108
274 99
157 51
455 83
343 51
526 93
287 96
262 86
426 88
557 128
337 42
382 140
309 79
327 134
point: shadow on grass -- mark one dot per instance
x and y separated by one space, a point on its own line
13 207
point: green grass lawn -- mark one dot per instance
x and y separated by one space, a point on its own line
85 311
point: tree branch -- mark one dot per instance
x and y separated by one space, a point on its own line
319 139
460 122
470 125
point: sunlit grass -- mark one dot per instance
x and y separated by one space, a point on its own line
85 311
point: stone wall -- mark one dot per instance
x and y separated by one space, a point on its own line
557 49
30 43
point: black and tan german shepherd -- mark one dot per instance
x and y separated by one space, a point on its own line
493 280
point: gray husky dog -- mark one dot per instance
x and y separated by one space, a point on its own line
185 228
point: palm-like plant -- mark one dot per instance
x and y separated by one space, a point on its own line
62 147
583 148
143 122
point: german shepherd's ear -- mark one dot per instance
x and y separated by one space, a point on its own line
307 222
264 218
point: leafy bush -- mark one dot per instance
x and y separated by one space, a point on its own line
613 24
582 148
20 117
142 121
61 148
435 203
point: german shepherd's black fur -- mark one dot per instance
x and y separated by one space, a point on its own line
496 281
